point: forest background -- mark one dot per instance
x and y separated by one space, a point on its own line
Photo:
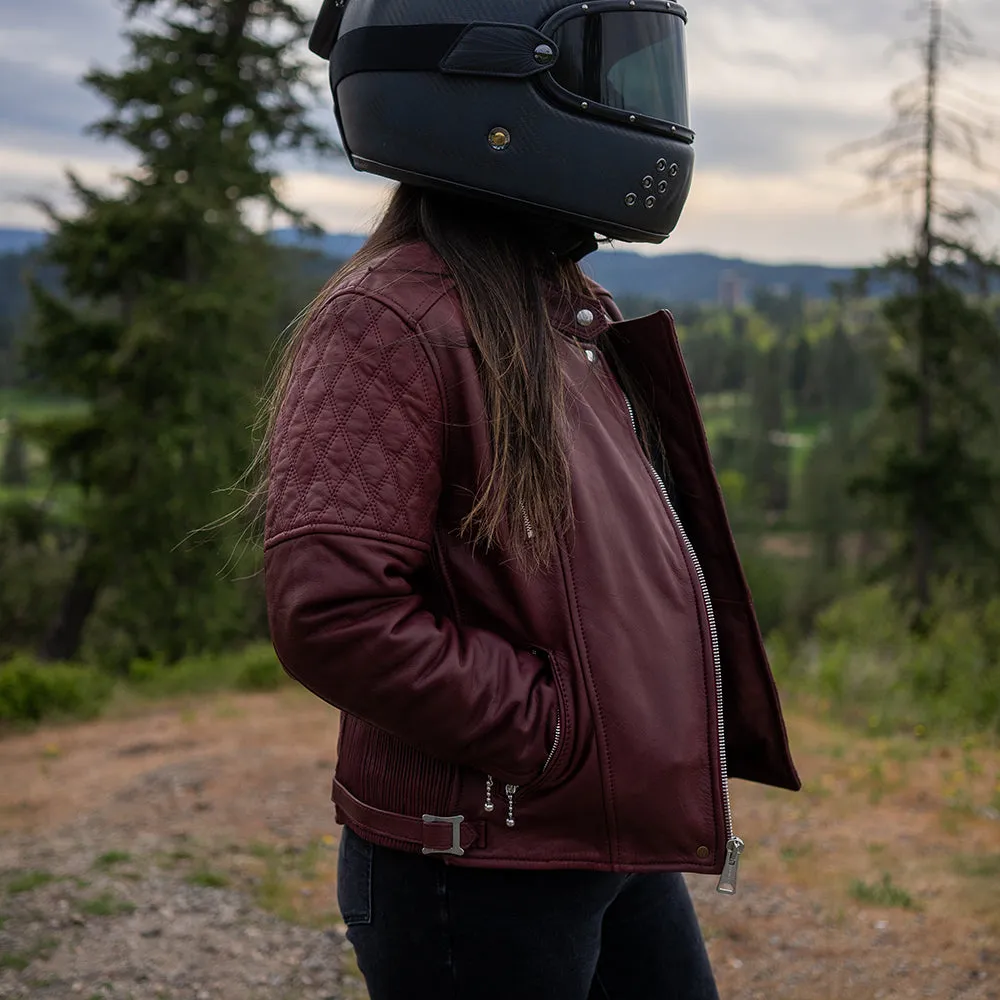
857 435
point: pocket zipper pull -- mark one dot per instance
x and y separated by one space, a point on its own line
488 804
727 880
511 791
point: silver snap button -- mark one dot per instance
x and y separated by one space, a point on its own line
590 354
585 317
544 54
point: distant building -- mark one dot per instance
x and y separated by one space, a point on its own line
732 290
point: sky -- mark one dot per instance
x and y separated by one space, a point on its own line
777 86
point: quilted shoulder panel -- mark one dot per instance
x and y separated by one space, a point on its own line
358 441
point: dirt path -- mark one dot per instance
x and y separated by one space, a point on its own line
189 854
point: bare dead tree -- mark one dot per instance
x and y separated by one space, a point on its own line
935 155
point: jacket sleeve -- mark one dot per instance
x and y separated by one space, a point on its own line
355 477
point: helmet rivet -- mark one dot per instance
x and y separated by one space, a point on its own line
544 54
662 187
584 105
650 201
630 199
647 182
499 138
631 3
661 164
585 7
631 118
674 170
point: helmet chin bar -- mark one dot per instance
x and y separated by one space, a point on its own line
607 231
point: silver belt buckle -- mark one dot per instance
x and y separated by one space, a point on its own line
456 835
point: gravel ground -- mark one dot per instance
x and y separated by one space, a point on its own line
189 853
145 929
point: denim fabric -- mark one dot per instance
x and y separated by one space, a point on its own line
421 928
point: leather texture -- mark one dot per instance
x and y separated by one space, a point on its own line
447 663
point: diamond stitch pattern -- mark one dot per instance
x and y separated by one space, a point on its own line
358 440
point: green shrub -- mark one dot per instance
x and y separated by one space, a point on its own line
30 691
253 668
868 663
768 579
33 692
260 671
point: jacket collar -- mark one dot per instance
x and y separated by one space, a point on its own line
581 317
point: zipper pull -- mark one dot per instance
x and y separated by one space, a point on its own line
511 791
488 804
727 880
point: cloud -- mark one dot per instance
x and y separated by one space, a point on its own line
776 85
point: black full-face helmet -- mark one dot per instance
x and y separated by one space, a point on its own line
575 111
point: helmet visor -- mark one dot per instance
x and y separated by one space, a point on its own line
629 60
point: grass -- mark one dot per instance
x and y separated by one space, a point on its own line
18 961
208 879
883 893
111 858
26 881
793 852
295 883
106 905
977 865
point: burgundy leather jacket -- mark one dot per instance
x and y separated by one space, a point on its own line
569 719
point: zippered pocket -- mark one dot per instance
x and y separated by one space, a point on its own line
555 759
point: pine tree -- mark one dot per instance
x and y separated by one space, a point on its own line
168 316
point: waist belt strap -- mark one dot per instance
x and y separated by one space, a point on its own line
432 834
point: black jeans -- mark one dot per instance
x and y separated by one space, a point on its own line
421 928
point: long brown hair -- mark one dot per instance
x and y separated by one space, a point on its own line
502 269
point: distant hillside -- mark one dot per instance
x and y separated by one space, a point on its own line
669 278
20 240
682 277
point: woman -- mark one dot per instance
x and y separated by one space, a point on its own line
494 538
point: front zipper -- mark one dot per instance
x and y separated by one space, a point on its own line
734 845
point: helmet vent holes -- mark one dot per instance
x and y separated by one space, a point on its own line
650 201
499 138
630 199
662 187
674 170
661 164
647 182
